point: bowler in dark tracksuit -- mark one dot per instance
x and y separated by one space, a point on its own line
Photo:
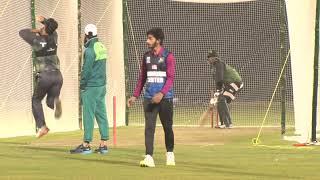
48 79
157 75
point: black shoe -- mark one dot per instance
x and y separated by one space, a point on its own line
101 150
81 150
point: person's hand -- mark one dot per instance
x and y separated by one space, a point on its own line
82 91
40 18
131 101
218 93
213 101
82 87
157 98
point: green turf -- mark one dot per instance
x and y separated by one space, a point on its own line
201 153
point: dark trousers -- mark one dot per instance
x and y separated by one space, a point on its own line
47 83
165 111
231 90
223 110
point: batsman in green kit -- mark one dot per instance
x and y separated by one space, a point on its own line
93 91
228 85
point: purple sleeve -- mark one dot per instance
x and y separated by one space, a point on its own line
171 63
141 80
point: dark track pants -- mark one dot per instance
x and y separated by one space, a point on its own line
226 98
165 111
47 83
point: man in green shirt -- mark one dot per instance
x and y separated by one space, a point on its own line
93 92
228 84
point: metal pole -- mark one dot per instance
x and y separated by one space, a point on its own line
126 58
283 59
315 77
80 63
33 25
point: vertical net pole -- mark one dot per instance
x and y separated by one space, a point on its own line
33 18
283 59
80 62
125 53
33 25
315 77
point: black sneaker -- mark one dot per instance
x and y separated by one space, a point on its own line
101 150
81 150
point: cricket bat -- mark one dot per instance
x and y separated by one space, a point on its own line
205 116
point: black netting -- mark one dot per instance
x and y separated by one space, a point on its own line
247 37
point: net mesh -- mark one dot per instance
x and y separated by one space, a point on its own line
16 89
246 35
99 12
66 14
16 57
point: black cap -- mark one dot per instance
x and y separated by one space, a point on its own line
213 53
51 25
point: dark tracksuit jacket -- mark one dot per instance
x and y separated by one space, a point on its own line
48 80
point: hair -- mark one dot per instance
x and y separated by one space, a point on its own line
51 25
157 33
90 35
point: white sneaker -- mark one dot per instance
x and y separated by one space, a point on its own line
222 126
315 143
170 159
147 162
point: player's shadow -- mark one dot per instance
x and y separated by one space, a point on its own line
14 156
28 146
50 149
67 155
102 161
223 169
14 143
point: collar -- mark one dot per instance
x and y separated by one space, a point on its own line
89 41
159 53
